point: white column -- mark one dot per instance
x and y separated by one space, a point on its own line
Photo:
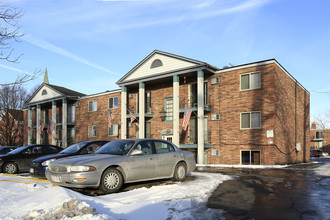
54 120
38 118
64 123
200 113
176 124
29 125
123 112
141 110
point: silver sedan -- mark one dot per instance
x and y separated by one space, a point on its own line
122 161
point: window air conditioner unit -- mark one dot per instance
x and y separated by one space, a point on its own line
215 152
215 117
215 80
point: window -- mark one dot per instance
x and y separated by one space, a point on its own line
250 120
168 109
206 94
148 129
145 147
49 150
148 102
162 147
71 113
319 135
250 157
113 102
92 106
44 92
156 63
113 130
92 131
250 81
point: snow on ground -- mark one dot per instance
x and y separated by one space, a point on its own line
23 198
323 170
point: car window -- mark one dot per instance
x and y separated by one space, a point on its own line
90 148
49 150
118 147
73 148
36 150
162 147
145 147
27 151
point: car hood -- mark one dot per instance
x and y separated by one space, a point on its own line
83 159
52 156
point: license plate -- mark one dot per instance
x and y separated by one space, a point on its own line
56 178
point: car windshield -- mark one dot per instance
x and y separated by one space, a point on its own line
73 148
17 150
119 147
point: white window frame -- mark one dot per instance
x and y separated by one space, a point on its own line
92 131
250 81
250 120
112 101
113 130
94 106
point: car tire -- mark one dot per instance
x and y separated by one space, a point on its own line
10 168
180 172
111 181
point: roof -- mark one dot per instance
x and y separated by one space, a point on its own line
65 91
173 65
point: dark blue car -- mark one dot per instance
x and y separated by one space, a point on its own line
38 166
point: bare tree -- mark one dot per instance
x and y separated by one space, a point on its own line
12 100
9 33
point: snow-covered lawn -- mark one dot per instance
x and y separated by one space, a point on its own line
25 198
22 197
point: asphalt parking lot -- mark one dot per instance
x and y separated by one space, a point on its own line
295 192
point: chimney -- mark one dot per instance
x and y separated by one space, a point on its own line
313 125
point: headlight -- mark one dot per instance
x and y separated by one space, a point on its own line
46 163
82 168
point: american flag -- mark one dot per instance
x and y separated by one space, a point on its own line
41 127
111 117
132 117
51 126
186 118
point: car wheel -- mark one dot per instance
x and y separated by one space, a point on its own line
10 168
180 172
111 181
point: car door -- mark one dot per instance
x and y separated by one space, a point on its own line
28 155
142 167
166 158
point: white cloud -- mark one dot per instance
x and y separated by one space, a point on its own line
50 47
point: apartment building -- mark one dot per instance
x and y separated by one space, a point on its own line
255 113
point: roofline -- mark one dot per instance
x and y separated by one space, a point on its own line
212 68
169 73
260 63
100 94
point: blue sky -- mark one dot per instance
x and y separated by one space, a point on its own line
87 45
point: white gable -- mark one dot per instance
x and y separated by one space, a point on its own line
169 64
45 93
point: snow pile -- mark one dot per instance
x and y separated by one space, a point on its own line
70 209
323 170
25 199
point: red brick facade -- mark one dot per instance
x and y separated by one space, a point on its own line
283 104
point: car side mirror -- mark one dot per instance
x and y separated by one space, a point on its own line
136 152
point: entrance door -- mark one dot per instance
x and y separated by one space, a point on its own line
167 138
250 157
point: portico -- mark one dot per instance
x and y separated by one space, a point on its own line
171 75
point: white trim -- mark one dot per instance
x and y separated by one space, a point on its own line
260 64
240 121
250 81
100 94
